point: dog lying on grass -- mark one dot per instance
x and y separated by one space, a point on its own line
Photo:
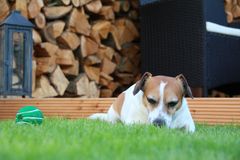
158 100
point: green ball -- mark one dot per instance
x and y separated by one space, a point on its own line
29 115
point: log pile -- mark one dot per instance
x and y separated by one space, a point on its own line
82 48
232 10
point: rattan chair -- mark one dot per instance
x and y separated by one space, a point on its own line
174 40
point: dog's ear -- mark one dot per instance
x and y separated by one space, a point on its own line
186 88
141 83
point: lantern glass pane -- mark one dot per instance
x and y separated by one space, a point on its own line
18 60
1 60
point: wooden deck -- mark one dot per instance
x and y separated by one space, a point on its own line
204 110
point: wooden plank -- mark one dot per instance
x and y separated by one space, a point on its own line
204 110
4 9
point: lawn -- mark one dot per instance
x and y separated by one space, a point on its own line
84 139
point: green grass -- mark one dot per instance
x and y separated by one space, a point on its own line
84 139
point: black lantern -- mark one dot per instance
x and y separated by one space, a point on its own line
16 55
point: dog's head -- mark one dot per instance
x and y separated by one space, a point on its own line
162 96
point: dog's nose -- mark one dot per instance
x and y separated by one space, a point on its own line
159 122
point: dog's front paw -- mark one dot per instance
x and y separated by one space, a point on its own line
189 128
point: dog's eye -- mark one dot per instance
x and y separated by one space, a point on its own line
151 101
172 104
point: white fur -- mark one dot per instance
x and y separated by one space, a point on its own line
158 111
183 119
134 111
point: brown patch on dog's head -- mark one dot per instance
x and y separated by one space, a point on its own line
170 98
171 93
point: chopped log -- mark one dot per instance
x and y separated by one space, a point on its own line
108 66
36 37
92 72
66 2
137 60
78 22
102 27
93 91
92 60
236 11
4 9
125 5
105 79
127 31
79 86
109 84
45 65
116 6
56 12
106 76
232 10
234 2
229 17
103 82
76 3
53 30
117 58
94 35
48 36
51 3
82 84
45 49
125 78
107 13
135 4
68 40
44 89
109 60
106 52
34 68
108 2
59 81
83 2
88 46
115 34
105 93
40 21
125 66
64 57
134 50
133 14
21 5
71 70
130 48
228 5
113 86
34 8
94 6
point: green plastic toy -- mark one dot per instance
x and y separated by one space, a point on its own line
29 115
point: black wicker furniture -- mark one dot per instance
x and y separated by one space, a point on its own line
174 40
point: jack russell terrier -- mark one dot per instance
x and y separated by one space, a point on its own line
157 100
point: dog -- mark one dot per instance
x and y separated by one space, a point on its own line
158 100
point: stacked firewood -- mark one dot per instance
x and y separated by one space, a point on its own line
82 48
232 9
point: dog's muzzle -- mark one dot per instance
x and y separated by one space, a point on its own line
159 122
